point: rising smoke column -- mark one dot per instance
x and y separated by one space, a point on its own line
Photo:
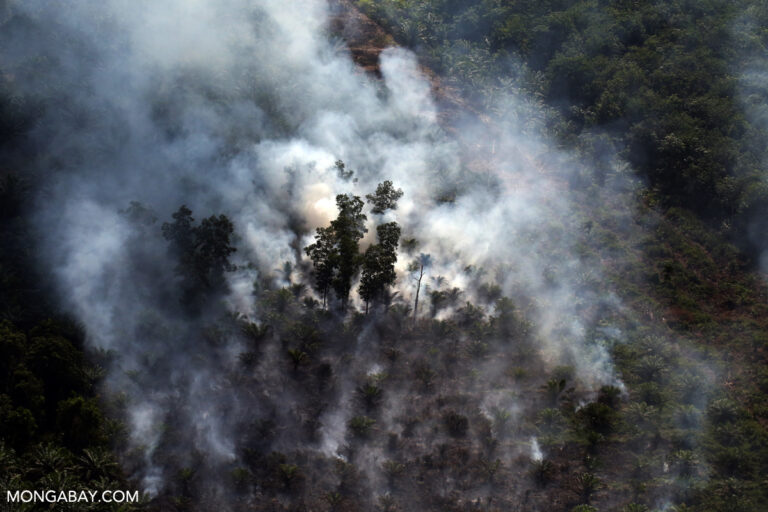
242 108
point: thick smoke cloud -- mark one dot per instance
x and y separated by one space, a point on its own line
242 108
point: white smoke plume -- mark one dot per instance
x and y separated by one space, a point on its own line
242 108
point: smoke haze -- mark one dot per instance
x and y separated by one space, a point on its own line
242 108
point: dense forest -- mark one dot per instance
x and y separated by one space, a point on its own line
385 255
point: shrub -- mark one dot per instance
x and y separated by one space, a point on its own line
361 426
456 424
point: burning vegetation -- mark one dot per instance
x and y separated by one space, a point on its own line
238 273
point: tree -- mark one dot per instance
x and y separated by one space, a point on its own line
416 268
370 395
348 228
298 357
212 249
139 214
342 171
385 198
323 255
96 463
202 251
361 426
79 420
181 239
379 263
335 253
456 424
586 485
584 508
444 298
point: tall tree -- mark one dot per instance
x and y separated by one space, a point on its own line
324 257
416 268
202 251
335 253
385 198
181 239
212 249
379 263
348 228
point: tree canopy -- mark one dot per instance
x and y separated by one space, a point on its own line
336 253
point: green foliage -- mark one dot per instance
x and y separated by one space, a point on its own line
348 228
385 198
553 388
342 171
289 474
597 417
370 395
586 485
17 424
361 426
202 251
658 76
609 396
335 254
542 472
635 507
323 255
379 263
298 358
393 470
652 80
441 299
81 421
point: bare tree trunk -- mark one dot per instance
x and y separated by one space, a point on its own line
418 288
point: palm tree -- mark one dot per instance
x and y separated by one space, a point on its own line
686 462
490 469
334 499
550 420
542 471
651 368
635 507
370 394
388 297
586 485
94 464
641 416
392 469
501 420
48 458
8 461
254 332
553 388
298 357
361 426
288 474
387 503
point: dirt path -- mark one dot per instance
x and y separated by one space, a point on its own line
366 40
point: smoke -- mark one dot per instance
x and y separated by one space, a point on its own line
536 454
752 94
243 108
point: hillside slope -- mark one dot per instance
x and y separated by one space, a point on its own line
561 323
